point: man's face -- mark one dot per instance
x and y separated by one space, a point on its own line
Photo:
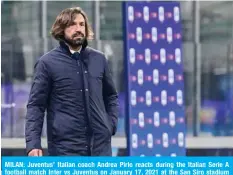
75 34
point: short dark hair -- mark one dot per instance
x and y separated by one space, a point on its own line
65 19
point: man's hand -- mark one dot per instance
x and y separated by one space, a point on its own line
35 152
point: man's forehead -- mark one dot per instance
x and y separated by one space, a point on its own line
79 18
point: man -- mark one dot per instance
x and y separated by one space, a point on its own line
74 84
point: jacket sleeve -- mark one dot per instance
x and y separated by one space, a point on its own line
110 97
36 106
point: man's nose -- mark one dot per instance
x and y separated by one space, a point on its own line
78 28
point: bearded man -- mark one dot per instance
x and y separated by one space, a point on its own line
74 85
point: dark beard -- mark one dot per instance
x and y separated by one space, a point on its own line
74 43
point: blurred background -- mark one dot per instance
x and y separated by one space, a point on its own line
207 32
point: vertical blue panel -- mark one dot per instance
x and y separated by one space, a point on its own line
154 71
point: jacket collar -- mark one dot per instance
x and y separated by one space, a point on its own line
84 53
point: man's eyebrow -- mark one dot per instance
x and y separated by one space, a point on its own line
74 22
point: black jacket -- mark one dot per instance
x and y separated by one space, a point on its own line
81 102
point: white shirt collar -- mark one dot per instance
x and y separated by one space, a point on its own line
73 51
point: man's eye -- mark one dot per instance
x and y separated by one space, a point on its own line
72 24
